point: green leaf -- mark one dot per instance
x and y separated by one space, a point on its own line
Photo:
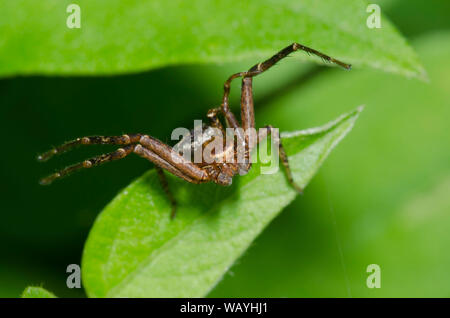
127 36
136 250
37 292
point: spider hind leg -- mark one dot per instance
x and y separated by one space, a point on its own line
268 130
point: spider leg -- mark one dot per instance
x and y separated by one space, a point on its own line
164 154
158 161
149 148
247 109
229 116
231 120
92 162
248 123
91 140
243 135
213 118
267 130
264 66
165 185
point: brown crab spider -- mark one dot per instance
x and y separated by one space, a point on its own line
163 156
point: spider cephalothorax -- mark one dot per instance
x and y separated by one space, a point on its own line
219 166
208 148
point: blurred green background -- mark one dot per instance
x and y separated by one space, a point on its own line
381 198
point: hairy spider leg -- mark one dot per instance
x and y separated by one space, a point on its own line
248 122
161 150
165 152
264 66
165 186
158 161
214 119
90 140
264 133
247 108
164 157
146 147
89 163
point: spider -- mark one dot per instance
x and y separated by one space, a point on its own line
164 157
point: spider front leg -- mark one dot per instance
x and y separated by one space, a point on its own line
90 140
89 163
127 140
145 146
247 118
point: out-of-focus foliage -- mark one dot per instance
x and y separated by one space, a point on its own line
414 17
126 36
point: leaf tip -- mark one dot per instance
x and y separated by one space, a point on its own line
359 109
36 292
